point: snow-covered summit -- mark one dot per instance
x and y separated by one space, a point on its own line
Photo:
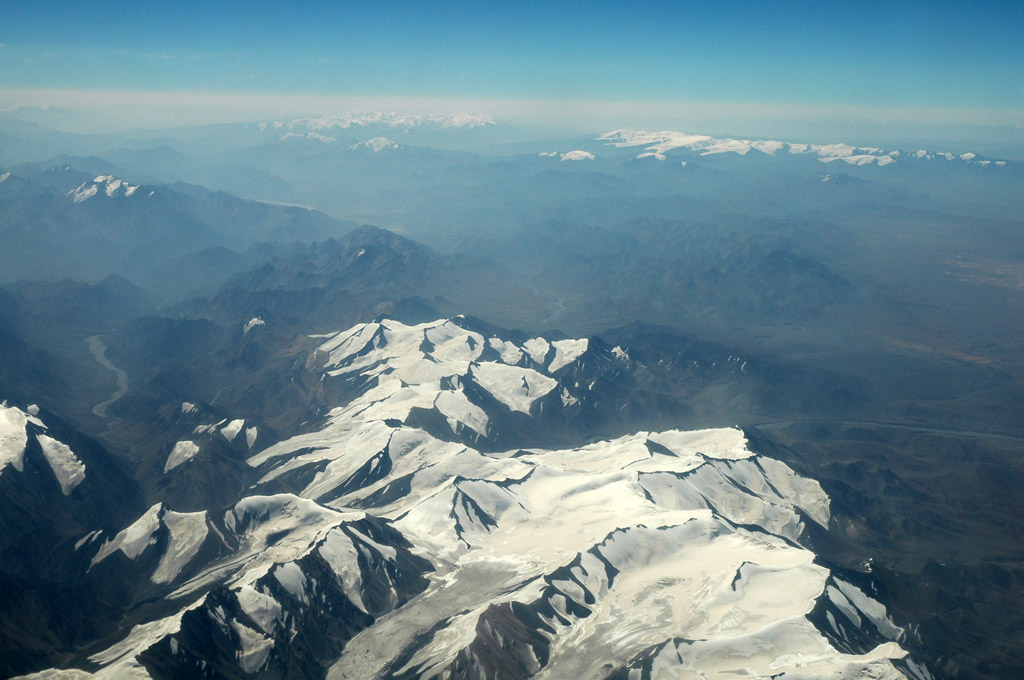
17 428
376 145
107 185
577 155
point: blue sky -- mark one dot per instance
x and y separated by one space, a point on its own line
900 56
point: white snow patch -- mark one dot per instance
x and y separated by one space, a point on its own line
840 601
537 348
872 608
509 352
377 144
737 146
13 437
862 159
290 576
134 540
833 150
457 408
187 531
84 192
188 407
231 430
566 352
385 550
514 386
252 323
120 659
767 146
88 538
69 471
577 155
183 451
250 436
264 610
340 553
255 647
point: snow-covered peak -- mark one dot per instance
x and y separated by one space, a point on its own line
68 470
376 144
577 155
253 323
107 185
185 534
390 119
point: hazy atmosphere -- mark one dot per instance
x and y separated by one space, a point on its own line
892 68
439 341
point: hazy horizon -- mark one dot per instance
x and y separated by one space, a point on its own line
950 73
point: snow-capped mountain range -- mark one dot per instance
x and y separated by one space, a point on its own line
658 144
396 537
341 121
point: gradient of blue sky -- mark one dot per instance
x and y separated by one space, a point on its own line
954 55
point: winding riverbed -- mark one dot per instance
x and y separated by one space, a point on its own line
99 352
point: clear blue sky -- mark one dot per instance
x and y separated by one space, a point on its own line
953 55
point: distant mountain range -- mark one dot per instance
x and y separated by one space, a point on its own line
65 222
658 144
